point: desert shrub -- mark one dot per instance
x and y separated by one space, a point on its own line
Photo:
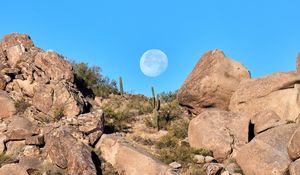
172 147
116 121
21 105
144 141
168 96
58 113
168 113
90 81
194 170
5 159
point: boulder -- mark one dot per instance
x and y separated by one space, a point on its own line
267 153
212 82
35 140
278 92
60 98
218 130
13 169
16 39
91 122
129 160
20 128
265 120
294 145
15 148
7 105
30 163
31 151
294 168
14 54
67 152
2 82
213 168
54 66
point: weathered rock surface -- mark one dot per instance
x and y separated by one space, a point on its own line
267 153
265 120
218 130
294 145
58 98
13 169
128 159
7 105
54 66
67 152
213 168
212 82
295 168
20 128
278 92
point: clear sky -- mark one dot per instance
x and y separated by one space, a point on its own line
264 35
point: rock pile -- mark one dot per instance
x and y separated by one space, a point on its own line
43 119
254 121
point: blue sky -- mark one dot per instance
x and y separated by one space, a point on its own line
264 35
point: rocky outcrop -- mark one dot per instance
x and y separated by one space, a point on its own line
129 160
278 92
267 153
212 82
219 131
45 78
42 119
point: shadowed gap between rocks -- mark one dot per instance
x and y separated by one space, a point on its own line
251 134
97 163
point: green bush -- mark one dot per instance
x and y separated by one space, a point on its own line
90 81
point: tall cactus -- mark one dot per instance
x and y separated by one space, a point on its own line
156 116
153 97
121 85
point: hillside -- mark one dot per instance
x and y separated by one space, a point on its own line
59 117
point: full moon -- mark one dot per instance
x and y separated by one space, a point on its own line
153 62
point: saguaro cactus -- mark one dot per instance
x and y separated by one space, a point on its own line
156 116
153 97
121 85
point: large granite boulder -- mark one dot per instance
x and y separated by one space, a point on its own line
267 153
212 82
67 152
220 131
278 92
129 160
